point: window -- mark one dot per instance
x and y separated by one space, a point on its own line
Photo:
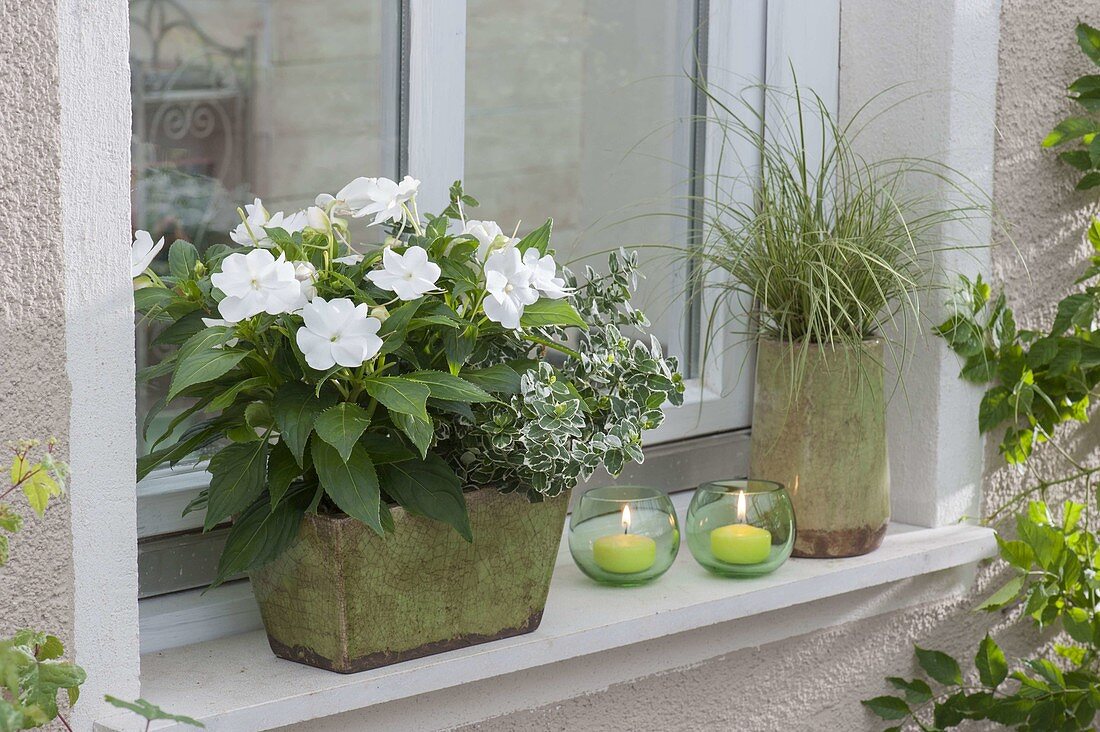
583 110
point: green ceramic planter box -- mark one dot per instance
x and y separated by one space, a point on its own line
344 599
826 443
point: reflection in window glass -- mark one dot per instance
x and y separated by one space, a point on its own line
582 109
234 99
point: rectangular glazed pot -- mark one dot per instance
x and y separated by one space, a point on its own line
345 599
826 441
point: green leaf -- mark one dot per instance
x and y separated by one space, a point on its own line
939 666
400 395
351 484
429 488
203 366
182 257
295 409
538 239
544 312
341 426
227 397
150 711
1088 38
1089 180
1006 594
420 433
887 707
498 379
152 299
990 662
996 407
237 478
1071 515
259 535
1016 553
384 449
282 470
452 388
916 691
1069 129
1078 159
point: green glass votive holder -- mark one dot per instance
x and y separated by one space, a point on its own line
624 534
740 528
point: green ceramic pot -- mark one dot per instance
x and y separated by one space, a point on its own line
343 598
826 441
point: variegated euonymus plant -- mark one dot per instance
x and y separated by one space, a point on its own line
335 377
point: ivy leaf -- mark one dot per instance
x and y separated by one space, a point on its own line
237 478
150 711
887 707
939 666
295 408
990 662
341 426
429 487
351 484
400 395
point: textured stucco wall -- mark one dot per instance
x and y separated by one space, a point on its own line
36 586
815 682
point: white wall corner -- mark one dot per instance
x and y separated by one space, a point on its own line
93 45
937 62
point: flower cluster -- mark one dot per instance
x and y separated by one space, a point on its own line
349 377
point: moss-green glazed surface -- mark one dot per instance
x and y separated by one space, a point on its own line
826 441
345 599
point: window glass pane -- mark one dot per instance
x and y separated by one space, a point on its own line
581 109
234 99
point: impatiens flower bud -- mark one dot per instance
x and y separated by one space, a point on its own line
410 275
306 274
255 283
143 251
317 218
380 312
338 332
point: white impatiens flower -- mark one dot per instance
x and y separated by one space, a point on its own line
508 283
543 274
487 233
255 283
382 197
291 224
250 232
338 332
143 251
410 275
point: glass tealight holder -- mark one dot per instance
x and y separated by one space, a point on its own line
740 528
624 534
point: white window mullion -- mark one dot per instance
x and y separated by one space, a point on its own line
436 97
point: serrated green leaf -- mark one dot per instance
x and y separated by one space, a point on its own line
182 257
990 662
150 711
1088 38
545 312
939 666
887 707
237 479
203 366
420 433
259 535
498 379
538 239
429 487
341 426
917 691
451 388
282 470
352 484
1069 129
295 408
400 395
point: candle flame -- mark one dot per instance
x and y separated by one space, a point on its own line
626 519
742 506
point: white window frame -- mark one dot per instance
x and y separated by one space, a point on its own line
747 40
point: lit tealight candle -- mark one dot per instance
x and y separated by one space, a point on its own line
624 553
740 543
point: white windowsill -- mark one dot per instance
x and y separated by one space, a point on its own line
237 684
